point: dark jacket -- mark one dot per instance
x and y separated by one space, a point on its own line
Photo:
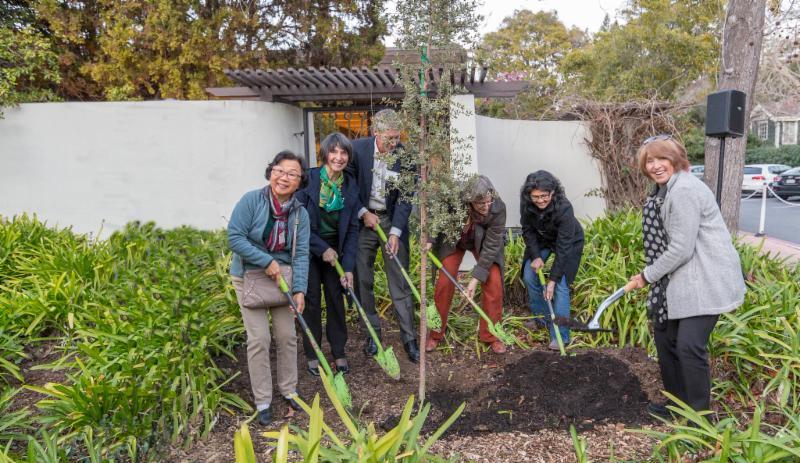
554 228
363 161
489 242
348 217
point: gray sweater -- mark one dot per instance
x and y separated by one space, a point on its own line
704 267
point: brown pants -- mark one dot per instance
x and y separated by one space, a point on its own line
256 323
491 296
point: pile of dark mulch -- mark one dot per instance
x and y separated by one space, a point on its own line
545 390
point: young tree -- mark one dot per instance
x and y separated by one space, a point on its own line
738 69
446 26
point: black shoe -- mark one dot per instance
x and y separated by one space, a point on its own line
370 349
265 416
343 368
659 410
412 350
293 403
314 370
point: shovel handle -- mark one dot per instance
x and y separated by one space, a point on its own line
542 279
435 261
320 356
360 309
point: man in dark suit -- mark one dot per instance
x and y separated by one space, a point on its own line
382 205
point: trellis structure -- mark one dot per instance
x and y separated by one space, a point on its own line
359 85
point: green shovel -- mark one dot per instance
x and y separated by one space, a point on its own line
497 330
552 314
339 384
385 357
434 321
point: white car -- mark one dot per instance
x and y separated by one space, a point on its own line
756 175
697 170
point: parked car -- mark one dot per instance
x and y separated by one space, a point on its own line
756 175
697 171
788 184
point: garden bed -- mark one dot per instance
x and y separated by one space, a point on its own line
602 392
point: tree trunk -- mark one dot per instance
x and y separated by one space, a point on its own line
741 51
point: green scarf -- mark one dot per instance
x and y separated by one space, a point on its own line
330 192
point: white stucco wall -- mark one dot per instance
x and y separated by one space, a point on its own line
173 162
508 150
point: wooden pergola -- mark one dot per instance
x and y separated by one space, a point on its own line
358 85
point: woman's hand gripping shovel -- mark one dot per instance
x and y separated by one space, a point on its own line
594 325
433 319
493 328
385 357
339 384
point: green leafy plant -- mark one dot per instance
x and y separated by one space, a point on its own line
320 443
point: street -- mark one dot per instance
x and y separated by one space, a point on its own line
782 221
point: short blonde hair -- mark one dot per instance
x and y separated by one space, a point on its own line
670 149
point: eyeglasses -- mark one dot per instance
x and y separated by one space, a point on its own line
661 136
278 172
543 197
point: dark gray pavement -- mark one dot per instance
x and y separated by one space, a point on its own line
782 220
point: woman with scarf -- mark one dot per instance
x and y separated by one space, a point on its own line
693 270
549 227
268 233
483 236
330 198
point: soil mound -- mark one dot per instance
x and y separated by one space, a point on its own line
545 390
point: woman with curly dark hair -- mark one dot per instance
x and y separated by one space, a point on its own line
549 227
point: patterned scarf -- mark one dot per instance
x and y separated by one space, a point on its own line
276 241
655 243
330 192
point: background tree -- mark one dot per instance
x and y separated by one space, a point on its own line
738 69
656 49
779 68
175 48
28 67
529 46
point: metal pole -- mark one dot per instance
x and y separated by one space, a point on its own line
763 218
720 170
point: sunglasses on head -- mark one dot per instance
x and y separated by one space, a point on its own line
661 136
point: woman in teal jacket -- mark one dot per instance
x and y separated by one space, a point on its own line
261 235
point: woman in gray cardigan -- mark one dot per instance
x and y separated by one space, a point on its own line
693 270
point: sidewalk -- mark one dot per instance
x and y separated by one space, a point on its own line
772 245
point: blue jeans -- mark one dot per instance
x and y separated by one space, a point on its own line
539 305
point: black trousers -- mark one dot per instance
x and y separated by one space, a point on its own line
321 274
682 347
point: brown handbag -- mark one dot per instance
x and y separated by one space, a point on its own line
261 291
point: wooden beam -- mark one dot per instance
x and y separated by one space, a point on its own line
232 92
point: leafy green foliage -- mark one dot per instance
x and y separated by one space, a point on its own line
363 443
654 50
140 318
28 67
529 46
787 154
145 49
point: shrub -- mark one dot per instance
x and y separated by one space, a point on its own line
789 155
